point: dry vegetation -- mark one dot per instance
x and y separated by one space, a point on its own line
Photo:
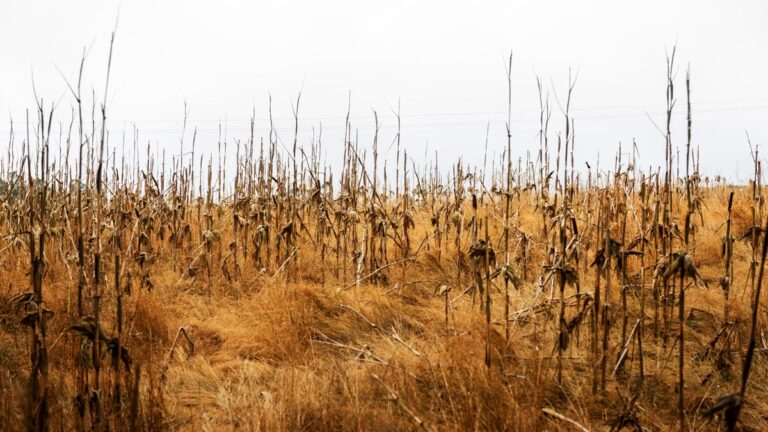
521 296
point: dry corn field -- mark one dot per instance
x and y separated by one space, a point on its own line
283 295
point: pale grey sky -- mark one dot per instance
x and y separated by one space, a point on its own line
444 60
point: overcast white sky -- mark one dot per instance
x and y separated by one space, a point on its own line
444 60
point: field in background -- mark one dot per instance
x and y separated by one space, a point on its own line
525 295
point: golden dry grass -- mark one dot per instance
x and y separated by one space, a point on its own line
279 353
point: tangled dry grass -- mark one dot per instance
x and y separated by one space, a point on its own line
287 352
